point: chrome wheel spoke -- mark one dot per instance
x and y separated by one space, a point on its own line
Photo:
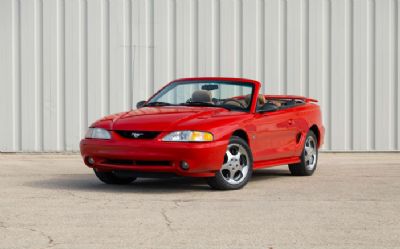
235 167
229 155
232 174
310 153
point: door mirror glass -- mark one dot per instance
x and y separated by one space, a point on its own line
140 104
267 107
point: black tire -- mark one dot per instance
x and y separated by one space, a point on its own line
220 182
304 168
111 178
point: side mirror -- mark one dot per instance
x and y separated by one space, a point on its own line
268 107
140 104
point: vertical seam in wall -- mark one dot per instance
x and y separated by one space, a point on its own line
16 65
261 44
61 73
105 55
38 33
195 43
284 46
396 73
306 45
330 74
128 54
328 71
349 80
371 72
238 15
83 67
150 43
216 17
172 39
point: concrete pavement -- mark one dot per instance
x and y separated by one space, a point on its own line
54 201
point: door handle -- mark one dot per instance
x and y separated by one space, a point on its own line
290 121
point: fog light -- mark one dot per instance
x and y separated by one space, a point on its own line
90 160
184 165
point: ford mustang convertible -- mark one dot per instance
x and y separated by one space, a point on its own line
217 128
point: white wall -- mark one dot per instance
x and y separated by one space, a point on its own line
65 63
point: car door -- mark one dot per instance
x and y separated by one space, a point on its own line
275 135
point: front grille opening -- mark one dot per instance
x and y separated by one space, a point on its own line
137 163
119 162
138 134
149 163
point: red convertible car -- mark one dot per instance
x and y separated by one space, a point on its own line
217 128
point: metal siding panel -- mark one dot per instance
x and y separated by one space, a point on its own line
162 37
7 112
184 27
139 90
360 78
117 50
205 38
227 39
94 58
72 77
67 63
260 44
326 107
294 47
275 45
315 51
28 76
383 121
83 67
338 88
250 41
397 74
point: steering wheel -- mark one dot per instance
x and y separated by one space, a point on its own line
233 100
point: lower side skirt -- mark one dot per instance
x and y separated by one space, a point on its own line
276 162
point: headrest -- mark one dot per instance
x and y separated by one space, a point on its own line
260 99
201 96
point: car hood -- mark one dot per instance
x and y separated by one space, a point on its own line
164 118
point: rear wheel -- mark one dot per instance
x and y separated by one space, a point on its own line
309 157
111 178
237 167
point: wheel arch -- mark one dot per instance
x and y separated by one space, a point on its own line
317 133
242 134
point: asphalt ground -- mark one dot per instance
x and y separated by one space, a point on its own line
54 201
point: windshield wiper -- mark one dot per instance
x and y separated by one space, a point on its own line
157 103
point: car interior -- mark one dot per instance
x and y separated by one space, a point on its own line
242 102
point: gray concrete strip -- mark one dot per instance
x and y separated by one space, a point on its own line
54 201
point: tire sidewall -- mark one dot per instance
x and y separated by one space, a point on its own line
303 162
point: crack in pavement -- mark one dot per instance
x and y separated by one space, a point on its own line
167 220
50 242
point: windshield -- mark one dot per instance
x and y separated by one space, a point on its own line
232 96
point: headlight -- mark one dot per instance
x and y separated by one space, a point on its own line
189 136
98 133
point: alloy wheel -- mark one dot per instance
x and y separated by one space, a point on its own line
310 153
236 164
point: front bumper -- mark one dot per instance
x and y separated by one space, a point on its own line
155 156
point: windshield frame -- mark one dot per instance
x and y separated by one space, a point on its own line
173 84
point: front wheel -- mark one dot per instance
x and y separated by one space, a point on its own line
111 178
309 157
237 167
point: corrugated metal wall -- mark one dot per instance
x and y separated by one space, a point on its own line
65 63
